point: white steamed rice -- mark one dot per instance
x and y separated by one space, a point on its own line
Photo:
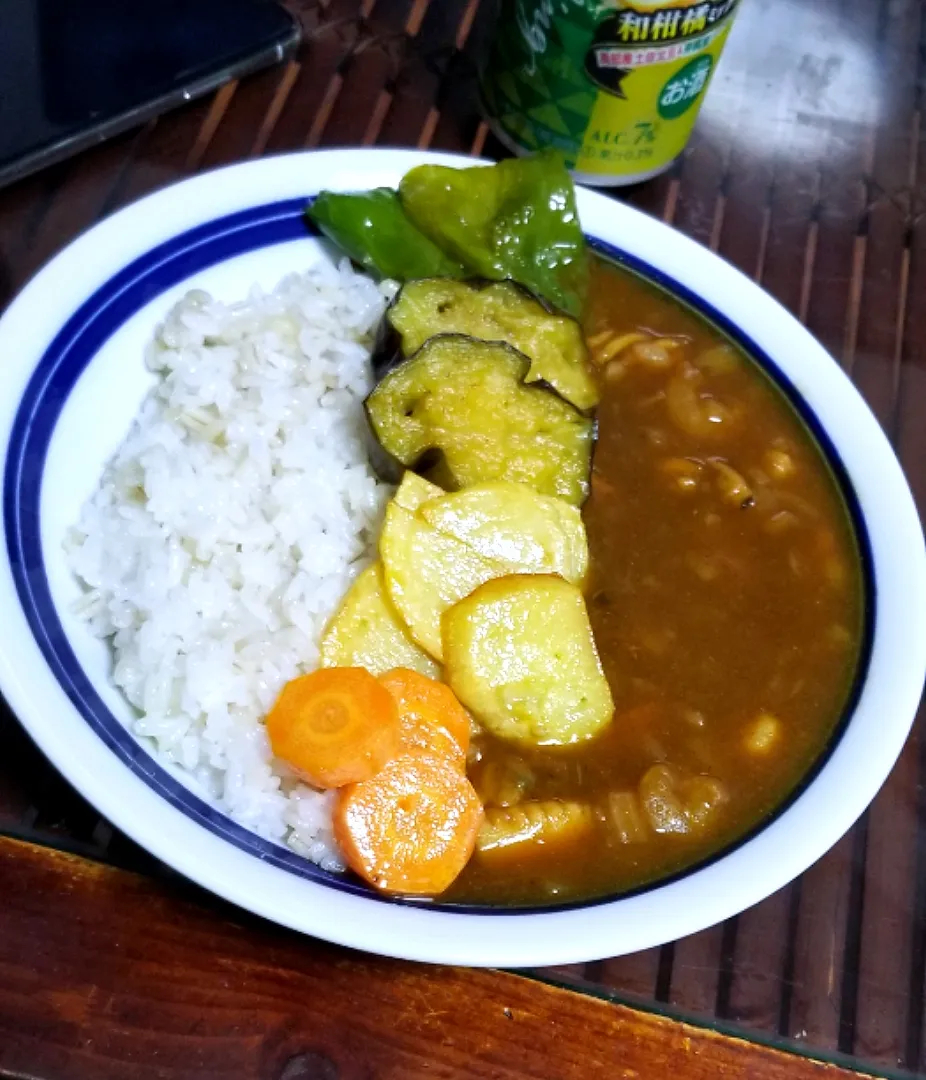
228 526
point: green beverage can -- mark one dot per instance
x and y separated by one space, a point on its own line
616 85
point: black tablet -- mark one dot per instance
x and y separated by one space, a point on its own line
74 73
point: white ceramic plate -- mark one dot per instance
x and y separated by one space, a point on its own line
72 346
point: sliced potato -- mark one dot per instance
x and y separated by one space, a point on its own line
512 523
519 653
415 491
515 831
427 572
368 632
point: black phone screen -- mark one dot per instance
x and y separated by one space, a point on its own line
74 71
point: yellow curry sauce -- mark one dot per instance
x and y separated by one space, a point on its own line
726 601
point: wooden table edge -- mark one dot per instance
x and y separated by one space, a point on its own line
106 973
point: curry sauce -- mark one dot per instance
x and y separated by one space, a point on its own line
726 601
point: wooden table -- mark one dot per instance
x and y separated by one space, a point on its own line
805 173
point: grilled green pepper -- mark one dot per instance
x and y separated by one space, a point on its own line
464 403
375 232
499 311
517 219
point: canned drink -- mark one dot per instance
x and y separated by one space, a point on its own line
615 84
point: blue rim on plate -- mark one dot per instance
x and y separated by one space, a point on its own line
56 375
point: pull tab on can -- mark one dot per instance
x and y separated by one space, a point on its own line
616 85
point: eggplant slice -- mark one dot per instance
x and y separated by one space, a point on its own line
462 404
499 311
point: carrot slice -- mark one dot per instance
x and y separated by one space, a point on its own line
336 726
412 828
431 717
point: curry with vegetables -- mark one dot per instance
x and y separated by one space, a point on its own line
725 598
617 608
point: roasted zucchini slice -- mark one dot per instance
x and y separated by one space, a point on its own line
466 400
498 311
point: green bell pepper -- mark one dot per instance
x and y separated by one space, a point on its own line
515 220
373 229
